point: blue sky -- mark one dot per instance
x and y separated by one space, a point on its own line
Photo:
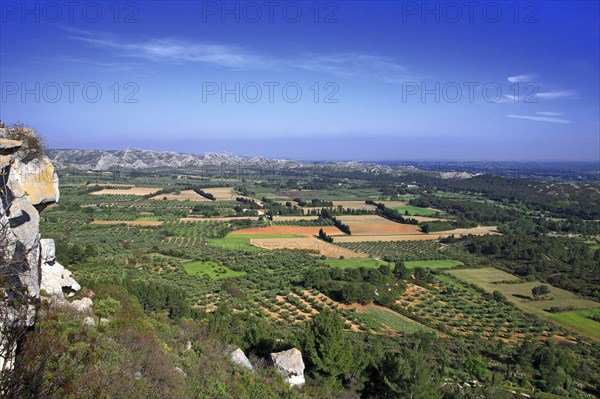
388 80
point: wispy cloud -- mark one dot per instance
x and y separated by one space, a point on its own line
540 118
178 51
551 95
175 51
520 78
548 113
352 65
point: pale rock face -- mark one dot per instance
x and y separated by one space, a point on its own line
82 305
54 275
28 183
48 250
38 179
290 365
238 357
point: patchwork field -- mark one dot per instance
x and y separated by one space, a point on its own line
141 223
292 218
210 269
433 264
520 294
422 219
300 306
583 319
307 243
221 193
376 225
187 195
382 319
141 191
416 211
110 185
368 263
217 219
242 242
354 205
305 231
415 236
463 311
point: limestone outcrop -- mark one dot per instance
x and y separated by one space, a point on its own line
28 183
290 365
55 278
238 357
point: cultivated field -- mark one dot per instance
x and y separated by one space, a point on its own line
217 219
210 269
292 218
376 225
141 191
109 185
140 223
416 211
520 294
306 231
583 319
354 205
412 236
433 264
187 195
307 243
368 263
221 193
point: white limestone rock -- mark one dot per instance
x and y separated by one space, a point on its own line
238 357
290 365
82 305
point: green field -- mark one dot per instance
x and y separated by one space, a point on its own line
369 263
433 264
580 318
148 219
211 269
242 242
520 295
380 319
416 211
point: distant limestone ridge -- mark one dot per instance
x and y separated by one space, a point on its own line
135 159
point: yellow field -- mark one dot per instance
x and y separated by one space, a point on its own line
187 195
329 250
416 236
221 193
354 205
129 191
365 225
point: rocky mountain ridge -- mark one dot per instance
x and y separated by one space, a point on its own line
129 159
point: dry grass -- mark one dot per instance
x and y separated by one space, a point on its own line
187 195
306 231
354 205
376 225
141 191
418 237
308 243
221 193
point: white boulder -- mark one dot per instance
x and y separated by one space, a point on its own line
290 365
82 305
238 357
